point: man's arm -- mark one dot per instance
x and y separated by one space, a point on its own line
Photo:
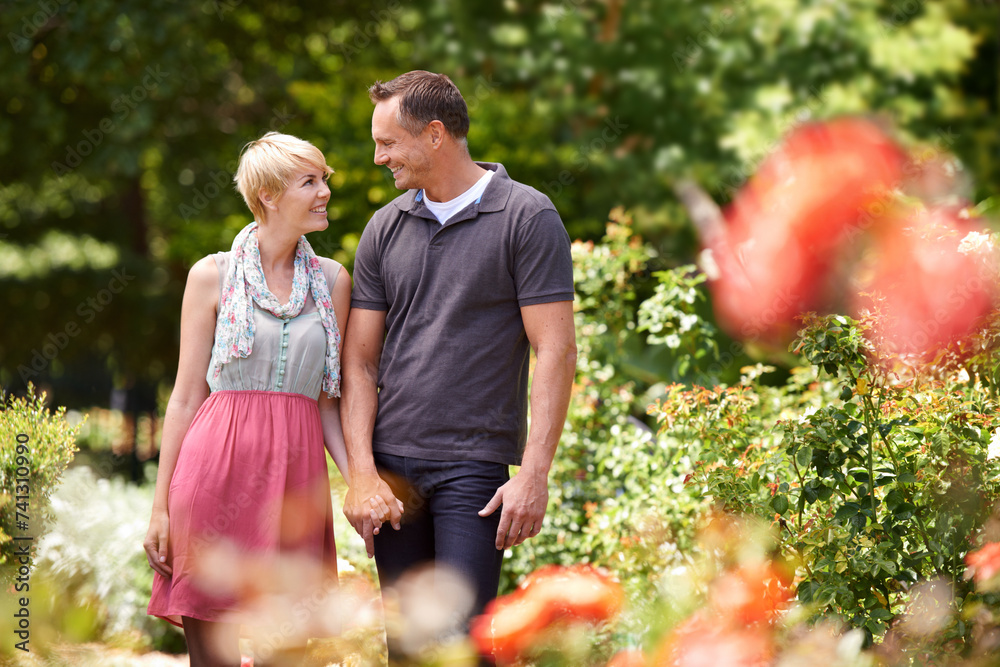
358 407
552 335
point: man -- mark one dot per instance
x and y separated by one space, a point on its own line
453 281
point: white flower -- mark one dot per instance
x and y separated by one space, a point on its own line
806 414
687 322
673 341
993 451
975 242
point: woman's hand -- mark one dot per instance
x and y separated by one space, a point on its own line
156 541
362 514
380 512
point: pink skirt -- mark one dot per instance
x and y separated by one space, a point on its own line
249 504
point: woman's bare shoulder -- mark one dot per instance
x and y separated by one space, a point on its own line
204 275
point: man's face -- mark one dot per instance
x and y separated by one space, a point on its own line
406 156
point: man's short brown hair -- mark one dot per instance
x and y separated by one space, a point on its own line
423 97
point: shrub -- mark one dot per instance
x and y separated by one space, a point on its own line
590 465
877 475
39 442
876 470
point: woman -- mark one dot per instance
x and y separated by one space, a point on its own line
242 474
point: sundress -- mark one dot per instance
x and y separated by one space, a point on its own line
250 490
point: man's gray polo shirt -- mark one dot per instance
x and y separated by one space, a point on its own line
453 378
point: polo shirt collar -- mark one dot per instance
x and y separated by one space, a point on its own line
493 199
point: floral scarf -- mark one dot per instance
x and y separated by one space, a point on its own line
244 285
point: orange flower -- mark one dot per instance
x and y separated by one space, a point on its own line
509 627
751 594
581 592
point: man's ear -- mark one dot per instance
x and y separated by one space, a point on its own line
436 131
267 200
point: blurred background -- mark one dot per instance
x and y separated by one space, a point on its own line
123 120
122 124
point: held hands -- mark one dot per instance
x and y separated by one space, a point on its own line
370 503
524 499
156 541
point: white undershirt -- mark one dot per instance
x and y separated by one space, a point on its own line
444 210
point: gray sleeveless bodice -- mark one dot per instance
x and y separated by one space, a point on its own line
287 354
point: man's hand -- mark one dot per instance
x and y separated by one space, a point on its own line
156 541
524 499
370 502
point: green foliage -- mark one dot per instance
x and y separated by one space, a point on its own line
637 94
877 481
670 318
39 442
873 471
614 490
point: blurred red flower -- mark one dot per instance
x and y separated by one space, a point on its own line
933 294
512 624
786 227
983 564
703 641
751 593
580 592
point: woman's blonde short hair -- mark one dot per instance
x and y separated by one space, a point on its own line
269 162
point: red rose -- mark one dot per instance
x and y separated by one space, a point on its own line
984 563
933 294
787 227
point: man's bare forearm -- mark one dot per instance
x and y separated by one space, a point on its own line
359 405
551 385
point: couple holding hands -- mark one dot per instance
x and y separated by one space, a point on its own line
415 381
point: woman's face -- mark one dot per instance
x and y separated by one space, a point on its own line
303 203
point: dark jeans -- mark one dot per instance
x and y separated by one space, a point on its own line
441 521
